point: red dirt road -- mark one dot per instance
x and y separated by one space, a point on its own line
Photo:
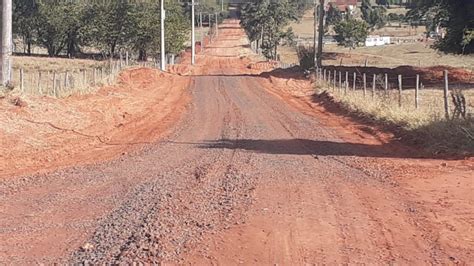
254 172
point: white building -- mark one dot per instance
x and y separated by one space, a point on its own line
377 40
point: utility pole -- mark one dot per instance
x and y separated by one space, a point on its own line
315 39
163 55
202 31
322 11
193 41
217 25
6 50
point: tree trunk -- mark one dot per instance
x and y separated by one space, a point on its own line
322 4
142 55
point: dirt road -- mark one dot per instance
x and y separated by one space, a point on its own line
253 173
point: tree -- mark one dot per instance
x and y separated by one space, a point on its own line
455 16
25 21
351 32
51 27
375 16
111 26
264 20
177 28
107 26
146 29
333 15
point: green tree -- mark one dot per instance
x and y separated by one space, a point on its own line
25 16
351 32
264 21
111 25
375 16
52 27
145 37
177 27
455 16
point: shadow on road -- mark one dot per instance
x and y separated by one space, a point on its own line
307 147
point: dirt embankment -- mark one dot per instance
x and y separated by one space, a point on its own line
43 133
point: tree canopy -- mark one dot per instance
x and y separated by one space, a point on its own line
351 32
457 17
104 26
264 22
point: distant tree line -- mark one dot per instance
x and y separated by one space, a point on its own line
69 27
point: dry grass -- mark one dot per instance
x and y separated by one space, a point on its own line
47 76
33 63
415 54
425 125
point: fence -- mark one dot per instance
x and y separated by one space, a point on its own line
406 93
67 82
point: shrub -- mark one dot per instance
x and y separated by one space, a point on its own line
305 56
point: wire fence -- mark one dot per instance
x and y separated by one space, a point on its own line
406 93
67 82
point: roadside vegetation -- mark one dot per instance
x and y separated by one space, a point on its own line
265 23
72 28
426 125
56 42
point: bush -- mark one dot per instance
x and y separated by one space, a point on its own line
351 32
305 57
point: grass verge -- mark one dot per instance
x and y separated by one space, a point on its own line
425 127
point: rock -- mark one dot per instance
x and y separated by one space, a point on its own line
17 101
87 247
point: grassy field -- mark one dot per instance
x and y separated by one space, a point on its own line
415 54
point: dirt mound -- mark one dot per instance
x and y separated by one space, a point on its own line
263 65
88 128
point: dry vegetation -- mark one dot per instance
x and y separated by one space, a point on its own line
47 76
416 54
426 125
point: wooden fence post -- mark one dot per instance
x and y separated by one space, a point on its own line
446 93
66 79
39 83
373 85
386 82
364 76
84 77
94 76
54 84
126 58
347 82
354 81
417 88
334 80
340 81
325 76
400 85
329 79
22 81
